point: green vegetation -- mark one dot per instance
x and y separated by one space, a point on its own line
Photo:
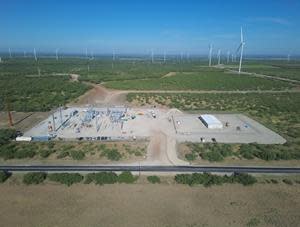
217 152
153 179
208 179
4 176
6 135
204 80
126 177
77 155
101 178
290 71
253 222
111 154
66 178
287 181
34 178
38 94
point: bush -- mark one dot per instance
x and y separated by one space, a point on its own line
77 155
244 178
212 156
153 179
190 156
46 152
126 177
63 154
101 178
66 178
34 178
6 135
208 179
4 176
112 154
287 181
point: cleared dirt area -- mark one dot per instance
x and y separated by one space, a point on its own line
146 205
22 120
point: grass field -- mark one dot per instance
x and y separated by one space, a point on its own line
29 91
290 70
145 204
204 80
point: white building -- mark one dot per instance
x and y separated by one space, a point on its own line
210 121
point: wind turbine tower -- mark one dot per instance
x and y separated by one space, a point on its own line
289 57
56 54
114 55
228 55
9 50
241 49
210 54
165 57
219 57
34 53
152 56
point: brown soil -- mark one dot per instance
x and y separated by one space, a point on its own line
22 120
148 205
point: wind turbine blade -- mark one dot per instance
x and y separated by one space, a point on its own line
242 37
239 48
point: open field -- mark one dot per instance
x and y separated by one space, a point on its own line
284 70
203 80
144 204
37 93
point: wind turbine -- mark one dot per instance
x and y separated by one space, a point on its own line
86 53
114 55
165 57
241 49
9 53
24 52
289 57
228 54
34 53
219 56
56 54
210 54
152 56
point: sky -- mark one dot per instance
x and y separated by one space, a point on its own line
137 26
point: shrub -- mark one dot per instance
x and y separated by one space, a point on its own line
244 178
46 152
4 176
126 177
190 156
77 155
105 178
212 156
208 179
63 154
6 135
153 179
287 181
112 154
66 178
274 181
34 178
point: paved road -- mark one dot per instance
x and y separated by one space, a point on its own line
100 168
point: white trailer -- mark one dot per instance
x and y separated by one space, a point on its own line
210 121
23 139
